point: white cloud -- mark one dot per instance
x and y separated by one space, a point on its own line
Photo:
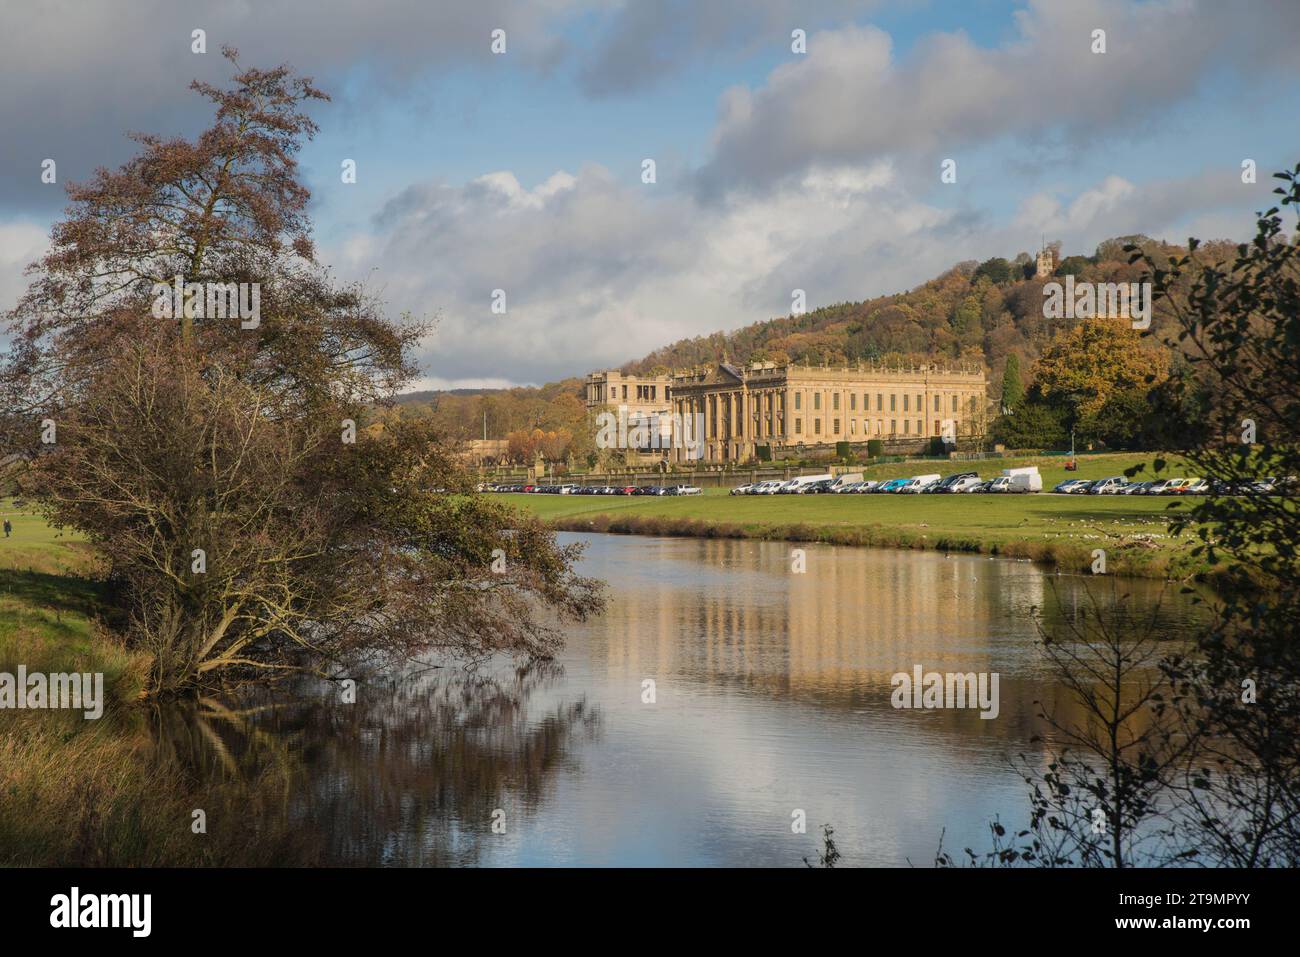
21 243
851 100
598 272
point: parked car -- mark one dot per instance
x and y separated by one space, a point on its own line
1068 486
909 486
689 490
893 485
866 488
796 485
952 482
917 484
1108 486
1239 486
823 487
1196 486
964 485
1000 484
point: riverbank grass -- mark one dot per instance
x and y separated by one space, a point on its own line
1062 530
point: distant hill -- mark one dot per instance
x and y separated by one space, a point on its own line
429 395
973 312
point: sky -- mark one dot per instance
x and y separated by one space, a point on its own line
775 169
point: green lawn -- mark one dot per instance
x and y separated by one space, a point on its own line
47 598
1063 529
35 545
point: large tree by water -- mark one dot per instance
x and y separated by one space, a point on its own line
219 460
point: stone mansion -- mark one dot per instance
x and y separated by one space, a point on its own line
787 407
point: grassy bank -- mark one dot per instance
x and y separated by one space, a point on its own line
1058 529
77 792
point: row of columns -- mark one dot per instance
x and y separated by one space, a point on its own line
730 418
733 414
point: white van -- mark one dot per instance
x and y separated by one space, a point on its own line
849 478
917 483
1024 479
1031 482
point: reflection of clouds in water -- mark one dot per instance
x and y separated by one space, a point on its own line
774 687
773 694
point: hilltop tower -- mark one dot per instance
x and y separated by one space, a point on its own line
1046 263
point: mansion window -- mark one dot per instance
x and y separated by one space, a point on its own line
798 425
837 427
798 401
817 426
835 402
893 403
817 401
905 401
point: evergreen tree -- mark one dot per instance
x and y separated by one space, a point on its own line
1013 390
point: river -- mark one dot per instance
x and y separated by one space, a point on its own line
771 701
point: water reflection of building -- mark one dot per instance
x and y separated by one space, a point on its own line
853 612
836 634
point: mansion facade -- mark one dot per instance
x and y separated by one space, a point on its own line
789 407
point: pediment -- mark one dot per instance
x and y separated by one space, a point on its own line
723 374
